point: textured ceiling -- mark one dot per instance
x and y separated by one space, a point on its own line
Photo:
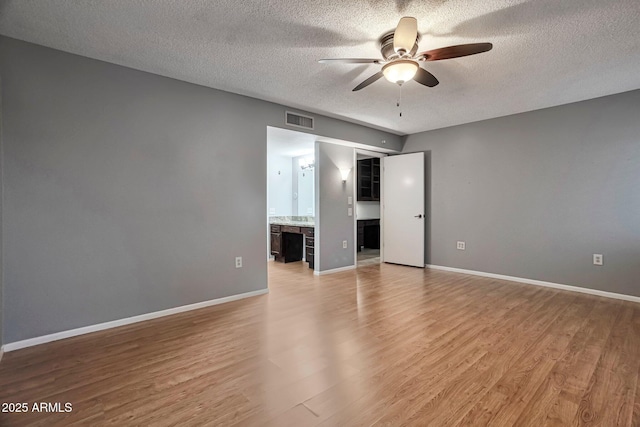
546 52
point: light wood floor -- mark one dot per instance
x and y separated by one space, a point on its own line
368 257
383 345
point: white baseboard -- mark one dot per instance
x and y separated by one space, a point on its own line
126 321
334 270
1 353
539 283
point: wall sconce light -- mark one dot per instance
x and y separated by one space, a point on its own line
344 173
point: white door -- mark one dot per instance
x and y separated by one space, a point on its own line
403 209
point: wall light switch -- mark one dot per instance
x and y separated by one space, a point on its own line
350 212
349 200
598 259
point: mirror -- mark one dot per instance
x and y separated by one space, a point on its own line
305 199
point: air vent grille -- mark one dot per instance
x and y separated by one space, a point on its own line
298 120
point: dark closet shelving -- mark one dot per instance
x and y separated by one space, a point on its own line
369 179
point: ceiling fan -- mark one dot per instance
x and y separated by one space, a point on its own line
401 62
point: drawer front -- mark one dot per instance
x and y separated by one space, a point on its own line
308 254
276 244
310 261
310 242
307 231
290 229
275 228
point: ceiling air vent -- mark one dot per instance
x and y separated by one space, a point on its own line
298 120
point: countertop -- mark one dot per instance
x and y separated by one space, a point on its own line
294 221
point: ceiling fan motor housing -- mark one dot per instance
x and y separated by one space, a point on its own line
386 47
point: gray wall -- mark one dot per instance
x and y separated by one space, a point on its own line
1 224
127 192
333 225
535 195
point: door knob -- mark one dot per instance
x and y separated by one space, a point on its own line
418 216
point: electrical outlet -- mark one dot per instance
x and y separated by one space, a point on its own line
461 246
349 200
344 244
349 211
238 262
598 259
272 211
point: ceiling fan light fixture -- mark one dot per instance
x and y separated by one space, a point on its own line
400 71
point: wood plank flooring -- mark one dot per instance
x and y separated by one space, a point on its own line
380 345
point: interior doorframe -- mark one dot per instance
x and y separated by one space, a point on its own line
316 206
380 155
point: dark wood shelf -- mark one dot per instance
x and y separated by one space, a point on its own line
369 179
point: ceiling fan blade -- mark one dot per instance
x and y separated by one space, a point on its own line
351 61
405 35
456 51
367 82
425 78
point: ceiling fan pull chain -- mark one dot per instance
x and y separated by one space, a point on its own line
400 100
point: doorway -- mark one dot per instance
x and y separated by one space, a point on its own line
390 210
291 197
368 218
